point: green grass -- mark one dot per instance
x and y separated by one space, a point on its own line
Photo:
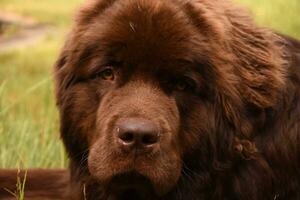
28 117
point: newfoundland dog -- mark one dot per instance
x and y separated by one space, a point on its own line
178 100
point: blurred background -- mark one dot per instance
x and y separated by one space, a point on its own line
31 34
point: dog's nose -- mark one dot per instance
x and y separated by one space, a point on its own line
137 133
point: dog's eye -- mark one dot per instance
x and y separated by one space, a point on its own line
181 85
107 74
184 85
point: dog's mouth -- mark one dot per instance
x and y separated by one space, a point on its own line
130 185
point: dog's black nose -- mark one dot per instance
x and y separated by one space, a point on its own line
137 132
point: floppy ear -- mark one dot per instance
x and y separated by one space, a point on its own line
259 59
65 68
259 65
65 74
247 62
257 56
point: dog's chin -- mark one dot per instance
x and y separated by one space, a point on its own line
130 185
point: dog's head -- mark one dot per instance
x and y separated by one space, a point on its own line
143 84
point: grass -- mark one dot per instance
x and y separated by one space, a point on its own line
19 194
28 116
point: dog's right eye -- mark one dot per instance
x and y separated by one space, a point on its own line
181 85
184 84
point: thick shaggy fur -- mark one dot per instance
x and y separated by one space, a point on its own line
230 133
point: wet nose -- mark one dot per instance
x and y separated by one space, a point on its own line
137 133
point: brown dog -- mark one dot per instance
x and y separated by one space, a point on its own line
178 99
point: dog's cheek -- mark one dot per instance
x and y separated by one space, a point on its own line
96 166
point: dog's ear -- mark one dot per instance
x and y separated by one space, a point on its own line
246 61
254 55
65 77
259 58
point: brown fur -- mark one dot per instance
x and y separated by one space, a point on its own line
233 134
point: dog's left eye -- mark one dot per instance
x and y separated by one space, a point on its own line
107 74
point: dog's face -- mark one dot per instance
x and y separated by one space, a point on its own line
138 99
138 85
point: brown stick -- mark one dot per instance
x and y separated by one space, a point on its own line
42 184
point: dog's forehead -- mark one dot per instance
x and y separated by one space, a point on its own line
145 31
